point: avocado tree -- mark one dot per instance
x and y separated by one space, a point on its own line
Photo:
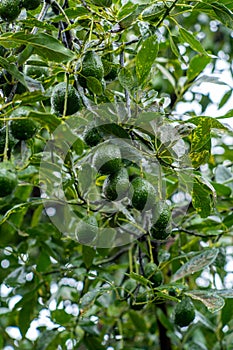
115 177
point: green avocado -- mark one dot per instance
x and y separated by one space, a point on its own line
143 194
30 4
92 66
160 230
116 185
8 181
10 9
22 128
107 159
60 93
184 313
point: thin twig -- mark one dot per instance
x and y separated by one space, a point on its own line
127 96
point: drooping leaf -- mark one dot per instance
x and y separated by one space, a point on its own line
13 70
88 255
223 14
226 312
147 117
45 339
128 14
145 58
153 13
86 176
196 66
43 44
90 297
196 264
200 143
16 277
139 278
94 85
61 317
226 97
201 198
47 120
188 37
174 47
126 78
223 175
26 316
209 79
211 122
210 299
138 321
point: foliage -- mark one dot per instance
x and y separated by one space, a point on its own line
60 291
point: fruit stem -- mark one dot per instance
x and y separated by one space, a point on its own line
5 158
127 95
66 94
160 183
150 249
119 323
53 2
130 259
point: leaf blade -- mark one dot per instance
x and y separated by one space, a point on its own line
196 264
146 57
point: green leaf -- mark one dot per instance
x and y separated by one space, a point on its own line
114 129
43 262
226 97
45 339
201 199
209 79
61 317
13 70
147 117
228 221
195 264
86 176
16 277
91 296
221 190
211 122
187 37
72 12
153 13
210 299
126 78
139 278
25 317
223 14
173 45
167 75
145 58
225 293
229 114
164 320
126 10
94 85
47 120
88 255
226 314
196 66
138 321
200 143
44 45
128 14
223 175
